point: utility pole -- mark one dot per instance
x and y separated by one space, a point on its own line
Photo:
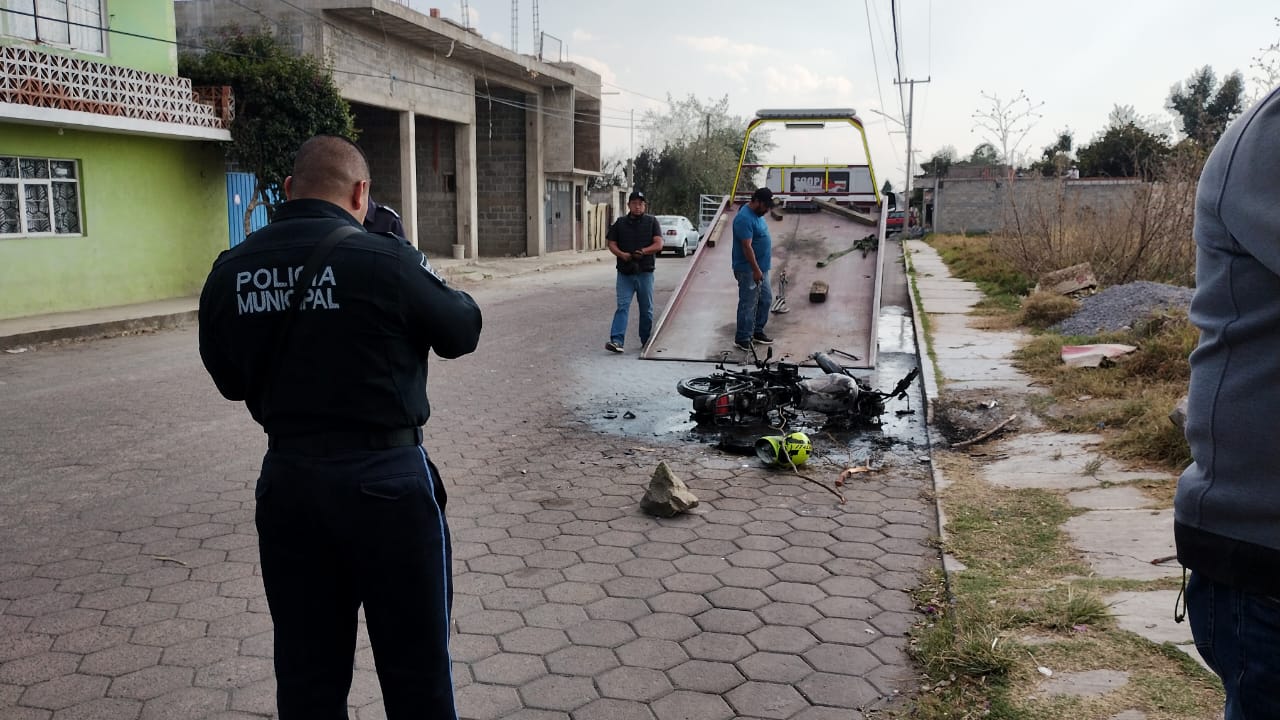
537 31
631 153
911 106
515 26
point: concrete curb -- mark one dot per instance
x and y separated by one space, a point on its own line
467 272
930 379
28 331
107 328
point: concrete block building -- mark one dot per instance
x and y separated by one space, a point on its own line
482 151
112 188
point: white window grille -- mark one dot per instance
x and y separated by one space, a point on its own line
39 196
73 24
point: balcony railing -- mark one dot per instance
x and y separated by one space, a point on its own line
38 79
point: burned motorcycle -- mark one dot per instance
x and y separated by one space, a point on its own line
774 393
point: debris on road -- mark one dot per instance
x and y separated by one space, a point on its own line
1068 281
847 472
667 495
1099 355
986 435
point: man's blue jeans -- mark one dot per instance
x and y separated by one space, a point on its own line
754 300
1238 635
641 286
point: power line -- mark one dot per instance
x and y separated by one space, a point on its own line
910 120
875 65
633 92
897 52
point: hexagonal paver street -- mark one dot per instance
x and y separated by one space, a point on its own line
129 577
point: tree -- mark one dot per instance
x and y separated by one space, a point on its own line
1204 107
1126 151
985 154
691 150
613 173
940 162
1267 63
1122 115
1006 124
1055 159
281 100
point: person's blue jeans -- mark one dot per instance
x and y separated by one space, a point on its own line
641 286
1238 635
754 300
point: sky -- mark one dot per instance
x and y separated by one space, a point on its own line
1074 61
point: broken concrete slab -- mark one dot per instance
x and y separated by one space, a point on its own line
1068 280
999 385
1123 543
1089 683
1150 615
978 369
1110 498
1057 461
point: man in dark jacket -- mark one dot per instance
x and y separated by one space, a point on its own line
323 330
1227 508
634 238
381 219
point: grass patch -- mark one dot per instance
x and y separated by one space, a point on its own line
1042 309
926 326
975 260
1128 402
1025 601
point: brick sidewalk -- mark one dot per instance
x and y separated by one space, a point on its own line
129 581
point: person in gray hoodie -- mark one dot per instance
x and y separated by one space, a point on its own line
1227 508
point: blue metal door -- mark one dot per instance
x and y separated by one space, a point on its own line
239 193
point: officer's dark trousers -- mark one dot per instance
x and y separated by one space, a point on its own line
337 532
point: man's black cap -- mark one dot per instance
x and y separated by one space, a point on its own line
636 195
764 195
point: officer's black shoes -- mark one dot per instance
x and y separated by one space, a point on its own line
613 347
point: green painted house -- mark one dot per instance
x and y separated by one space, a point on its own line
112 173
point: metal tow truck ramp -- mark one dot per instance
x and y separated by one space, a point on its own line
827 225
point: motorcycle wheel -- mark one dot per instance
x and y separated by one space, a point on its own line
696 387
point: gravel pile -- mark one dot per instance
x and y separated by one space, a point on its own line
1120 306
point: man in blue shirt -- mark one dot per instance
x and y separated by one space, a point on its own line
752 253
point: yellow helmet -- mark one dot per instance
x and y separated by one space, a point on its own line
797 447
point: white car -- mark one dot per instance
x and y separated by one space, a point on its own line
678 235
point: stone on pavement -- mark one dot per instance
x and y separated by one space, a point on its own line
667 495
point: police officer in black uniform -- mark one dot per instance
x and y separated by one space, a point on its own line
380 218
328 349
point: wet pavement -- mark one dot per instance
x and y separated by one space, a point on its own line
129 583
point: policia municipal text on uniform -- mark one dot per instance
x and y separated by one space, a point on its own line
333 365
